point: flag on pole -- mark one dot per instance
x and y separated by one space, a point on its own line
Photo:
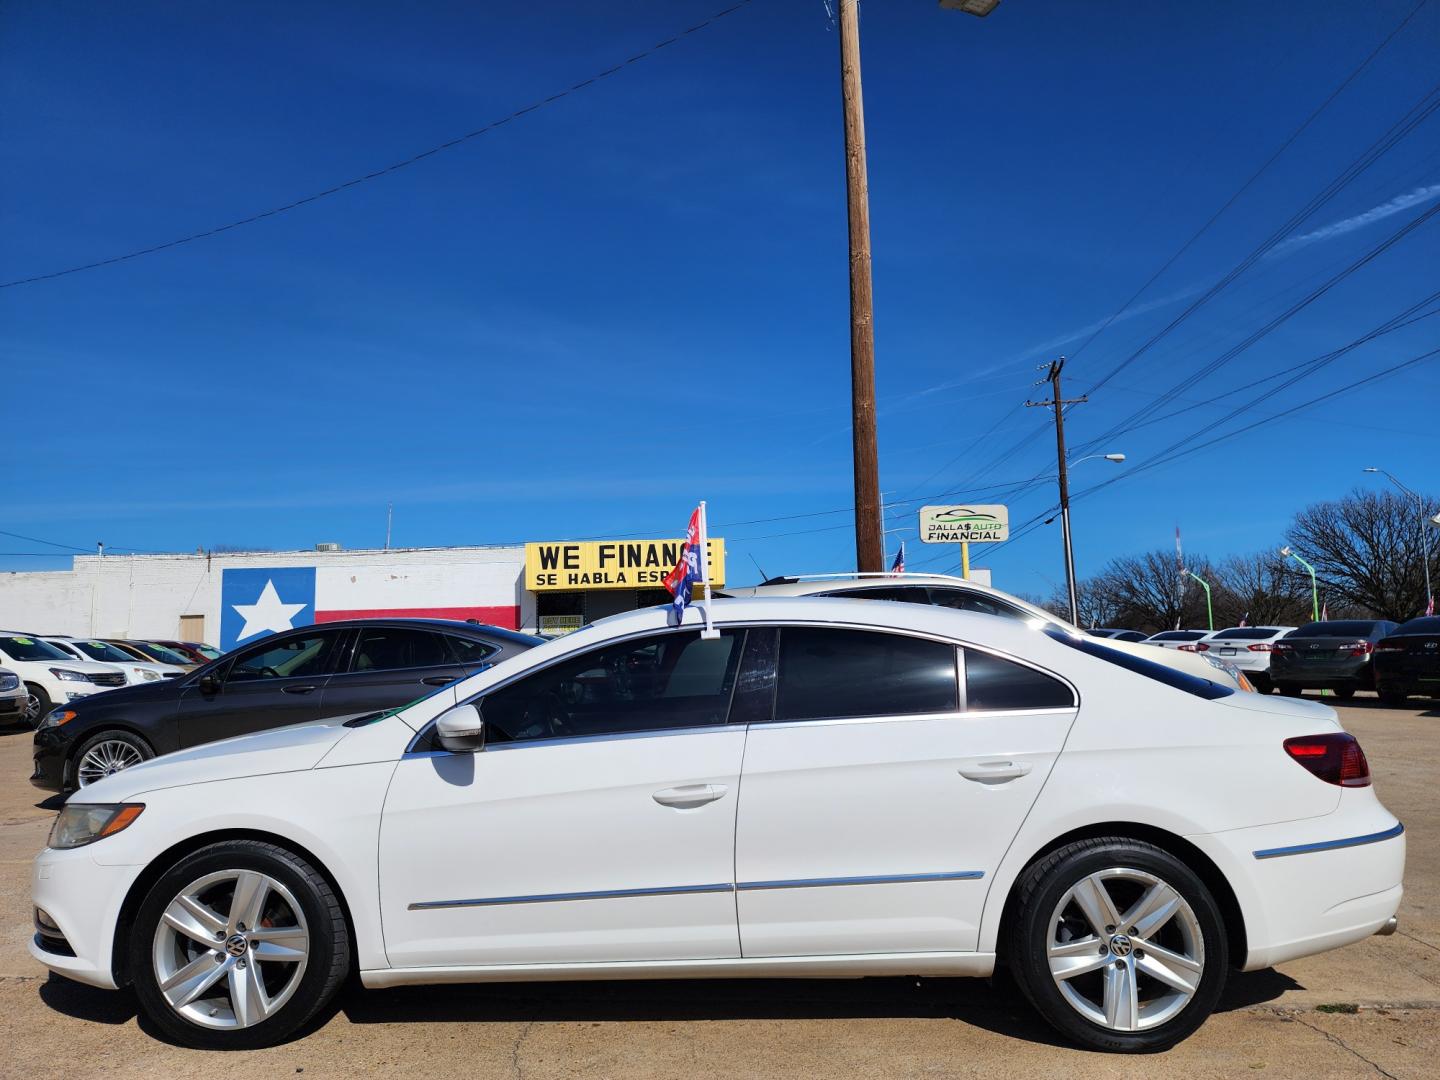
1430 605
1325 612
898 566
692 569
1245 619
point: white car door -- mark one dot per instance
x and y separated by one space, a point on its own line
886 790
597 825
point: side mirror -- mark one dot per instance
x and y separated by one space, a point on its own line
460 730
209 684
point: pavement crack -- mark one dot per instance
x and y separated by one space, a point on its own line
515 1068
1343 1046
1418 940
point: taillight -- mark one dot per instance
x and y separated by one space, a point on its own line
1199 646
1280 646
1361 648
1335 758
1261 646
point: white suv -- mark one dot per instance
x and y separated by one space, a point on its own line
136 671
942 590
51 676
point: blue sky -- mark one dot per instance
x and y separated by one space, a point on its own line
584 321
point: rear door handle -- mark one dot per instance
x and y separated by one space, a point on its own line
299 689
994 772
690 796
439 680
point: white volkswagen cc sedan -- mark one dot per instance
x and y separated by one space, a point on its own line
828 788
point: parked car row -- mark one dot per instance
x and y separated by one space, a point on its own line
819 787
58 670
1396 660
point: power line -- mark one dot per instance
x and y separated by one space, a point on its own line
388 169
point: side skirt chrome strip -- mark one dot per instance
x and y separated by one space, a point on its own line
673 890
1331 845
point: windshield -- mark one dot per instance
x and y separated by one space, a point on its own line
208 651
1351 628
1247 633
103 651
162 654
1423 625
28 648
1179 635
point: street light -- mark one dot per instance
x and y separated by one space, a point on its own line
1424 536
1314 590
1070 586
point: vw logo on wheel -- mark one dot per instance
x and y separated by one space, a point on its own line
236 945
1120 945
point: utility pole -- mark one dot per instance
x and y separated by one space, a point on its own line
869 524
1058 403
389 517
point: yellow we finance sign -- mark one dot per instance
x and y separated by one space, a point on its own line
610 564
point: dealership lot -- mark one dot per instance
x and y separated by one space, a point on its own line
1293 1021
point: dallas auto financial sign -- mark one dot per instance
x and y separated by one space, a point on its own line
967 524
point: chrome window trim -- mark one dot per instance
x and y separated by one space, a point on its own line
719 887
573 740
1331 845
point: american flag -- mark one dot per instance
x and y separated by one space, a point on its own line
692 569
898 566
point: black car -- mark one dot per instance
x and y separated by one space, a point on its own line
295 677
1116 634
1408 661
1335 655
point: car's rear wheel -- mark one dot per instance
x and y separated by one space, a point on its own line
237 946
1118 944
1393 698
1289 689
107 753
1262 683
37 703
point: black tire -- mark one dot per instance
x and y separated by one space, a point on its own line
1262 684
1289 690
38 705
327 964
1345 693
1393 698
126 747
1042 888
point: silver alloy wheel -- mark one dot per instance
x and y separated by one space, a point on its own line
105 759
32 707
231 970
1125 949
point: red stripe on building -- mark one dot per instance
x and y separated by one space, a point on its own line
507 616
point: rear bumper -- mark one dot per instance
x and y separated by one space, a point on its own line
1308 886
1360 675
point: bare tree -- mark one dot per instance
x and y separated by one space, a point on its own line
1147 592
1260 589
1367 549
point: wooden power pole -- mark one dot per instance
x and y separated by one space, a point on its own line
1058 403
869 521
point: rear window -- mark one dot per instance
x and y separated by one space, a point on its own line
1179 635
1423 625
1339 628
828 673
1247 633
1180 680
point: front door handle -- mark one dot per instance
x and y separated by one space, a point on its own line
307 689
439 680
690 796
994 772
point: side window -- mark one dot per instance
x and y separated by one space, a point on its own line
388 648
905 594
963 600
825 673
994 684
305 657
469 651
674 680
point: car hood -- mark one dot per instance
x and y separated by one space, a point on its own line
286 749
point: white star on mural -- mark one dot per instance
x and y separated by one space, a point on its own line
267 613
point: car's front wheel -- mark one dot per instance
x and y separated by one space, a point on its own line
237 946
1118 944
106 753
37 704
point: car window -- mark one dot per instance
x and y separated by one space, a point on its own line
470 651
825 673
1179 635
1425 624
966 600
905 594
391 648
304 657
673 680
103 651
207 651
992 683
1247 633
1349 628
162 655
21 647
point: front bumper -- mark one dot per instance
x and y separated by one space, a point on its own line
1312 885
51 749
83 899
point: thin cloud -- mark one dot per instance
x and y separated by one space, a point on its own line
1398 204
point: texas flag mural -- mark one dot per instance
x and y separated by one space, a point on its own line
255 601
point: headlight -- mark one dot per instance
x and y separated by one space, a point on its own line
84 823
148 676
66 675
56 717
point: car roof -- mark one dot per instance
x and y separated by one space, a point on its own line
450 626
814 584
